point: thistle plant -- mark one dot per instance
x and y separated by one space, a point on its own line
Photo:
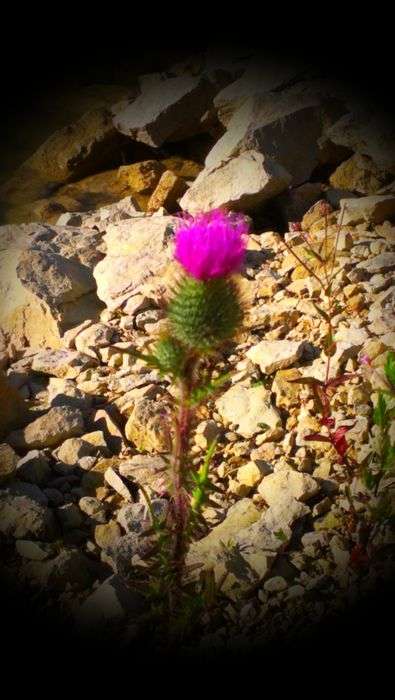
204 312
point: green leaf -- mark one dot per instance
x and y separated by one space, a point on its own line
321 312
380 417
200 393
388 456
389 368
369 479
280 534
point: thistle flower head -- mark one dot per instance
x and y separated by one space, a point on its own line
212 244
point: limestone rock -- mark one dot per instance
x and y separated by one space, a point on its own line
142 177
169 189
61 363
34 468
136 251
259 78
145 427
98 335
374 209
111 602
8 462
50 429
241 183
22 517
106 535
287 483
272 355
358 174
239 516
46 282
368 132
13 411
167 110
69 569
280 125
147 470
249 409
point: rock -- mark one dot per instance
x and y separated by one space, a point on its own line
374 209
132 517
21 488
206 432
272 355
249 409
276 125
379 263
69 516
46 282
145 426
35 551
287 483
34 468
238 517
70 569
64 392
97 335
102 420
367 132
287 394
112 602
167 193
107 535
8 462
242 183
61 363
69 337
136 251
258 79
142 177
275 584
22 517
113 480
13 410
50 429
168 110
72 449
249 474
358 174
93 508
147 470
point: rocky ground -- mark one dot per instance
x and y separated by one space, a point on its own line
83 282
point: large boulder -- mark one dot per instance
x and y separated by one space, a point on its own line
46 281
367 132
166 110
282 126
74 151
241 183
259 78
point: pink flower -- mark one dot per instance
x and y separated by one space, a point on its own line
365 360
211 244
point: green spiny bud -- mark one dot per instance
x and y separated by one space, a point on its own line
205 313
170 356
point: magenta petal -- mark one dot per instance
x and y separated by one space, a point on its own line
211 244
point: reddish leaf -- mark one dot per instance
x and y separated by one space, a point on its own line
337 381
317 437
328 422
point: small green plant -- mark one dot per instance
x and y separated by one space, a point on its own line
204 312
382 461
